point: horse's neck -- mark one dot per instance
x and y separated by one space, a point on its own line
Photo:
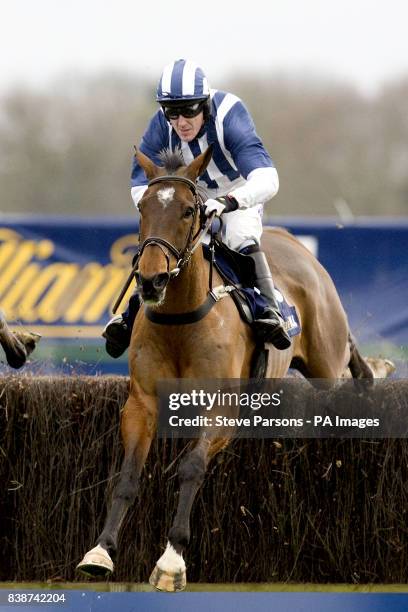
189 289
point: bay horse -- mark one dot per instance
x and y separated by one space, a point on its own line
172 276
16 345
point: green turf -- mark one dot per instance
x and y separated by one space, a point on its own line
94 352
204 587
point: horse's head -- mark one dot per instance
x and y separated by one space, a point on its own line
170 216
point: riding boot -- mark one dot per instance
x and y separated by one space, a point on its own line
119 329
269 327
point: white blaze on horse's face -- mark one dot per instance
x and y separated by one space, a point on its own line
165 196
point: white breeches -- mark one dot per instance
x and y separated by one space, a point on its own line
243 227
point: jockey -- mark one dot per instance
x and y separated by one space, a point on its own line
238 180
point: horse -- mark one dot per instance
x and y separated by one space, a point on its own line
172 276
16 345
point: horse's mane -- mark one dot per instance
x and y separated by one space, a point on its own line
172 160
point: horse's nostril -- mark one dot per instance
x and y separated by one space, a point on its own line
155 285
160 280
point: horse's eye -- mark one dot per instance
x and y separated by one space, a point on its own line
189 212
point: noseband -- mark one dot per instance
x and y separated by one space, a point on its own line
192 242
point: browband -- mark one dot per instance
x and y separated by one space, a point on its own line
179 179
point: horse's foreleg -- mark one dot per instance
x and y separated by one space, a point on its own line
170 571
138 426
137 434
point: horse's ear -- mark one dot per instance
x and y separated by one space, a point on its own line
199 165
149 168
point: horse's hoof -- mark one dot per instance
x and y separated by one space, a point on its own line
166 581
96 562
30 340
390 366
170 571
381 368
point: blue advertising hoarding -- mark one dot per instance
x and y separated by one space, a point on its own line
61 276
201 602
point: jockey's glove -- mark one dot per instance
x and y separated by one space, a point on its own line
222 205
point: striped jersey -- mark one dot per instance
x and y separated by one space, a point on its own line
237 149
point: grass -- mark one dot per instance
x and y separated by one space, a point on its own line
261 587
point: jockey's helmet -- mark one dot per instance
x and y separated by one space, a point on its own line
183 84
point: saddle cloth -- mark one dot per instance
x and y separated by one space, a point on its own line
238 270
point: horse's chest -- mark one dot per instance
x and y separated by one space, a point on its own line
181 356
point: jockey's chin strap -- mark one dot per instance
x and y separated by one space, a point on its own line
183 255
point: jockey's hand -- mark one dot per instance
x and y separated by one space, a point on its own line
211 206
220 205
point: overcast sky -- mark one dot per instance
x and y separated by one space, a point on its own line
363 41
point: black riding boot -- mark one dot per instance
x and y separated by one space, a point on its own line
269 328
119 329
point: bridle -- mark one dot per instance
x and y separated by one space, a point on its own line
183 255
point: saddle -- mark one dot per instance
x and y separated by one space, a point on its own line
238 271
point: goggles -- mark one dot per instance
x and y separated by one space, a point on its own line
188 111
